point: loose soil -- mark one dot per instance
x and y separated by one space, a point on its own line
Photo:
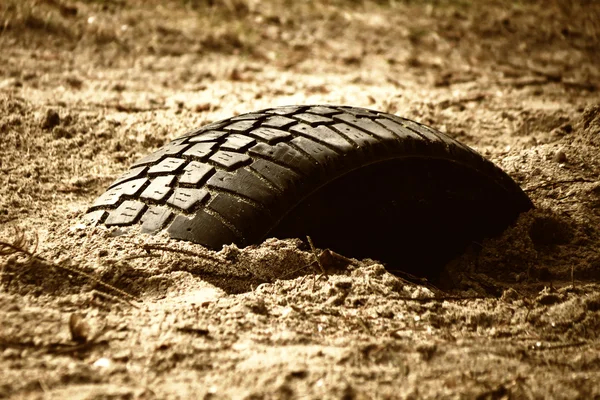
86 312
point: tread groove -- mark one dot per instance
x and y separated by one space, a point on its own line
264 179
290 168
324 143
360 127
403 127
307 155
420 137
151 224
226 222
348 138
214 190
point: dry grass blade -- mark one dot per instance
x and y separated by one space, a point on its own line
316 254
545 185
440 299
20 246
122 295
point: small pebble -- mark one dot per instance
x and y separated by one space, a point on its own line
51 119
102 363
560 157
11 353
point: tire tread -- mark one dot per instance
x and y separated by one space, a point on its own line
230 181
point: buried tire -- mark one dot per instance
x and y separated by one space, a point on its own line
360 182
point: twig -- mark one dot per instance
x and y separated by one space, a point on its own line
314 250
316 277
363 325
132 108
552 184
43 386
293 272
561 346
19 247
95 280
70 348
395 82
112 297
442 298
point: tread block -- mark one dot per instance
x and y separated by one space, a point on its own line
127 213
270 135
430 133
150 159
168 150
360 137
203 228
322 110
155 218
133 187
187 199
282 178
113 196
230 160
168 165
247 216
243 183
399 129
132 173
434 136
196 173
199 131
367 125
284 154
249 116
200 150
108 198
192 132
175 148
159 188
179 140
208 136
416 129
312 119
214 125
324 155
285 110
323 134
237 143
359 112
95 217
240 126
278 121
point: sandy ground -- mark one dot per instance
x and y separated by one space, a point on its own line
88 87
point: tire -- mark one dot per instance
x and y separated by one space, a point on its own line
360 182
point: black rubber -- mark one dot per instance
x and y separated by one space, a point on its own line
360 182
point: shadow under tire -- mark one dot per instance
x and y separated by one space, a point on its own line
360 182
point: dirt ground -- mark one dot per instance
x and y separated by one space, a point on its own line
88 87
